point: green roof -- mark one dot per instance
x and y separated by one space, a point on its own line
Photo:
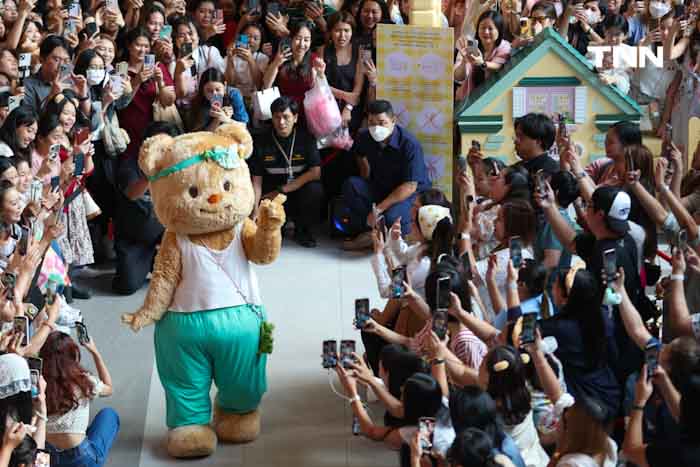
527 57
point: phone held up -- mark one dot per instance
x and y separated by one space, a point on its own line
347 348
362 314
83 336
426 428
398 277
330 354
527 335
516 252
610 264
651 358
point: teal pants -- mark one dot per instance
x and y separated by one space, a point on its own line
194 349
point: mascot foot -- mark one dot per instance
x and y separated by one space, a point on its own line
191 441
236 428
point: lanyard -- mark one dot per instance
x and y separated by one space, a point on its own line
287 156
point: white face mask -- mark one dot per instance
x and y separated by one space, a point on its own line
658 9
592 17
95 77
380 133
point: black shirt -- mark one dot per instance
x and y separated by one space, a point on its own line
542 162
270 164
678 454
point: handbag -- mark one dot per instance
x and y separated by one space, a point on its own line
166 114
114 137
262 100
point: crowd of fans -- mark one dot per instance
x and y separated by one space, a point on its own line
598 379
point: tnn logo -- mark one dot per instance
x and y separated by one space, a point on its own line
626 56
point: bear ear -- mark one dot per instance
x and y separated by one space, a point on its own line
238 133
153 152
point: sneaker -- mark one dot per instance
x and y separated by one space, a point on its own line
81 293
303 237
359 243
67 315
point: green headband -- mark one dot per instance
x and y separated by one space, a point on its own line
226 158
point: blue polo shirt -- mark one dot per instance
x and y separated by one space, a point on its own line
399 161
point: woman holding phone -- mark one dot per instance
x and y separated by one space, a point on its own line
18 132
71 438
215 104
246 65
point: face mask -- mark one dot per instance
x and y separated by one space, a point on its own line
658 9
591 17
379 133
95 77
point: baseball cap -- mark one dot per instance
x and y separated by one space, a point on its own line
616 204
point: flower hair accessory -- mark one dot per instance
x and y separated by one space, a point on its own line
429 216
503 365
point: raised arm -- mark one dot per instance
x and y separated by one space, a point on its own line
679 316
562 229
631 318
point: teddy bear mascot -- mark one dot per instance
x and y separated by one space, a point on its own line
203 297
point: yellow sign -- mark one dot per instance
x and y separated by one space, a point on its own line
414 67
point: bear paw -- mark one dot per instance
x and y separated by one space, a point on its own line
191 441
236 428
271 214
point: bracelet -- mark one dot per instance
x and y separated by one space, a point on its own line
437 361
349 107
354 399
83 99
464 236
638 407
665 187
513 285
677 277
41 416
582 174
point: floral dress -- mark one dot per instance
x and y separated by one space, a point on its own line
76 243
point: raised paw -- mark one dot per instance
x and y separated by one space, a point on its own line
271 214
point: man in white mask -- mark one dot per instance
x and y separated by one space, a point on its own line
392 172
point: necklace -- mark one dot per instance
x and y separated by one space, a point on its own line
287 156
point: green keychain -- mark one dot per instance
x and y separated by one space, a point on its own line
266 339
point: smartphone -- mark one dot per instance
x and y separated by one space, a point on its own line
365 54
680 240
31 311
525 27
286 45
361 312
516 252
149 61
629 161
83 336
253 7
561 123
466 267
25 60
381 226
651 358
35 363
13 103
610 264
476 145
243 42
398 277
112 5
74 10
21 325
34 378
81 135
330 354
347 348
273 8
50 294
90 29
117 84
426 427
540 183
35 191
166 32
9 280
55 183
23 243
527 335
123 69
218 15
668 137
69 27
440 323
186 50
462 163
66 71
442 301
79 164
473 46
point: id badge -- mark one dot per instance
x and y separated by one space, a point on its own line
290 178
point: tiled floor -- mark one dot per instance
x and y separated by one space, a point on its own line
309 295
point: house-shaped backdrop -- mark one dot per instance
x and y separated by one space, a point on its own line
548 76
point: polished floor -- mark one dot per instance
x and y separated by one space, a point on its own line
309 295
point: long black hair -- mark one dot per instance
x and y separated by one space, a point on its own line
21 116
303 70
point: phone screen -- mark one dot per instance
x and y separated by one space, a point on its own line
516 252
466 267
83 336
90 29
55 181
347 348
66 71
330 354
361 312
23 243
440 324
34 378
50 294
21 325
43 459
186 49
25 60
610 264
79 165
527 335
123 69
8 281
651 358
243 41
540 183
398 277
149 61
273 8
426 427
166 31
680 240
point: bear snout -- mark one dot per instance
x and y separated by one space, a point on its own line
215 198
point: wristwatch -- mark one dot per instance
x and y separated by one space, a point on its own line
349 107
483 66
581 174
437 361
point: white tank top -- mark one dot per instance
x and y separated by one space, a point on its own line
214 279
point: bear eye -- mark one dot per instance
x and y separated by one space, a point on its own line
194 191
227 185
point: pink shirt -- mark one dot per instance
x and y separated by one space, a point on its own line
500 55
603 172
37 162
